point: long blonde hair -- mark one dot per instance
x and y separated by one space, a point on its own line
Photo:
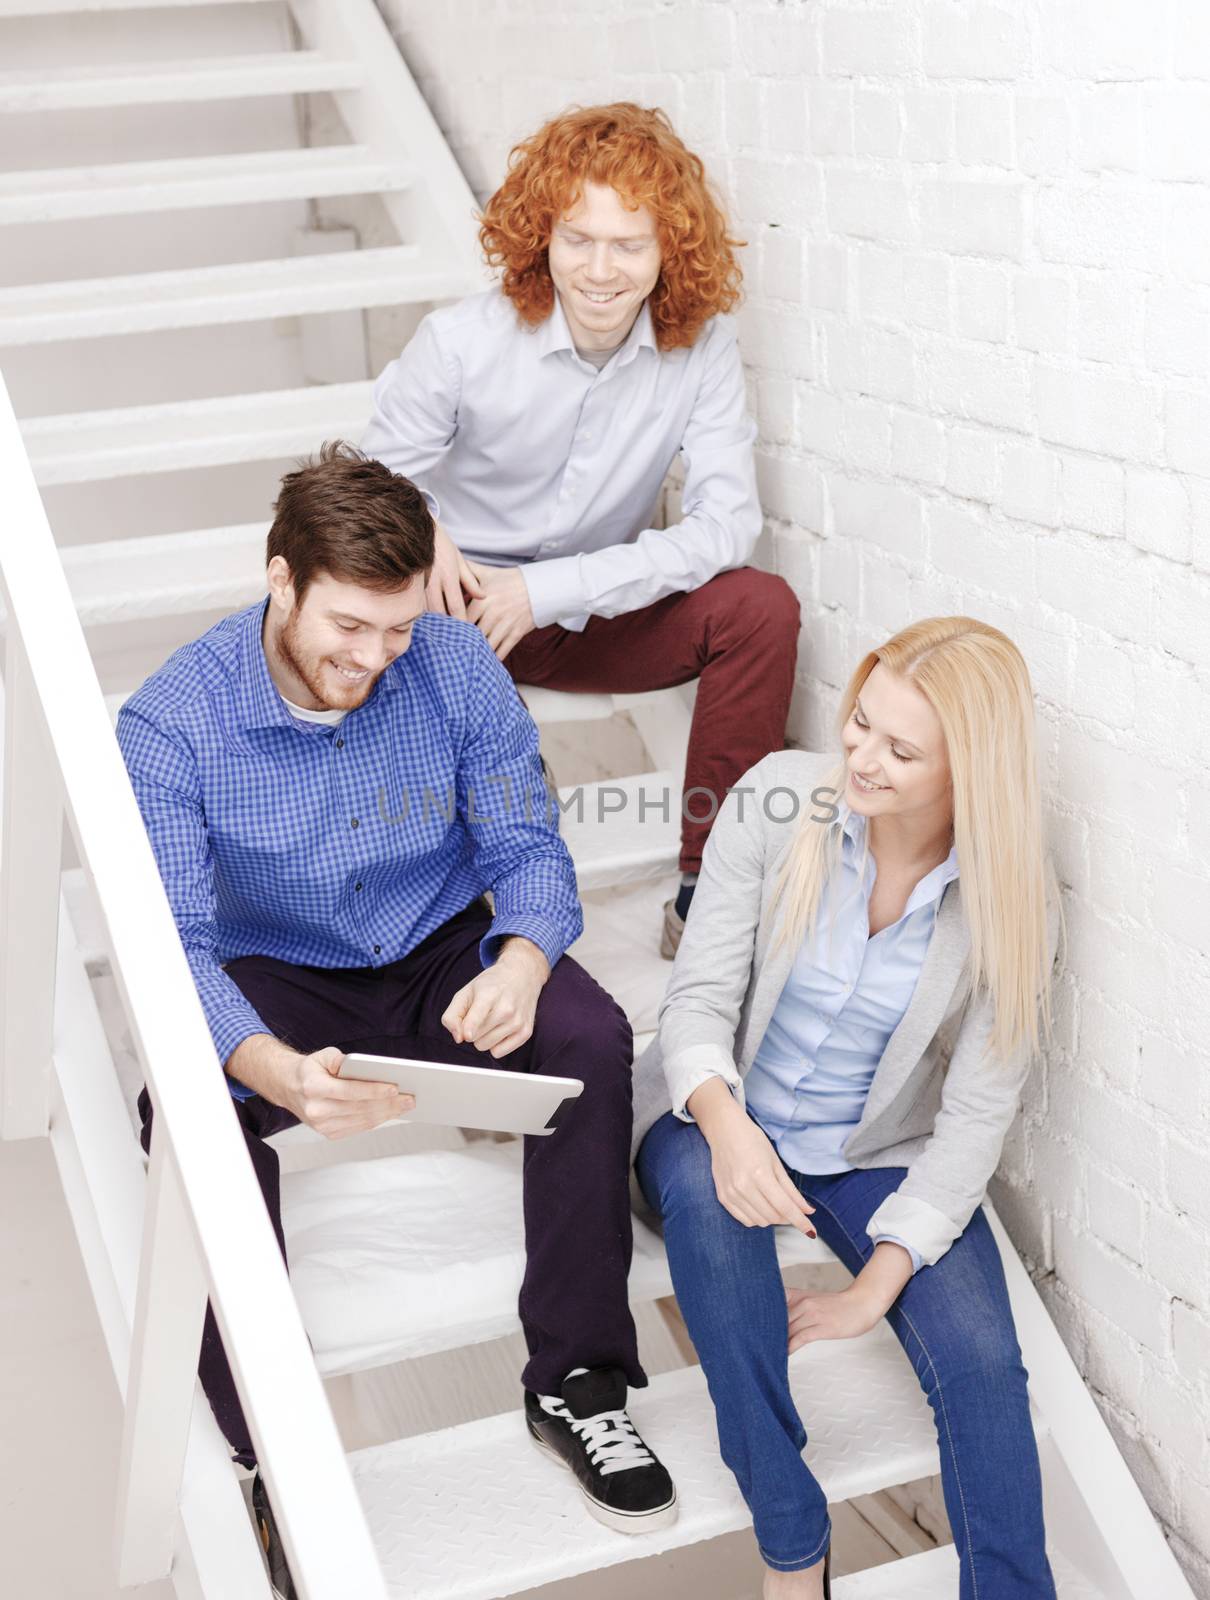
976 681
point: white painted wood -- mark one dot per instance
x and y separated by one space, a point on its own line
390 113
128 187
374 1288
333 348
663 720
101 1170
200 296
553 705
1129 1532
169 1310
624 830
933 1575
322 1523
144 83
167 574
92 445
476 1512
58 8
30 859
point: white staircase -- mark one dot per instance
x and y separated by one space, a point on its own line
434 1236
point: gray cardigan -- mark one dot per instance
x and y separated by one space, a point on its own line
935 1105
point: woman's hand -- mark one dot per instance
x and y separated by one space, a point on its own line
749 1178
452 578
845 1314
849 1313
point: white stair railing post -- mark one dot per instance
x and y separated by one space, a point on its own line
167 1335
30 867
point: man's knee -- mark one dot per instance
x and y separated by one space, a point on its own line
582 1031
762 600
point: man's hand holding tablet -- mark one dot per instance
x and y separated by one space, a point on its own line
310 1088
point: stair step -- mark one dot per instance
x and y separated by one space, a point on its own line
436 1504
91 445
142 83
933 1575
623 830
373 1291
243 292
126 187
167 574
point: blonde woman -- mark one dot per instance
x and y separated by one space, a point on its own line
859 991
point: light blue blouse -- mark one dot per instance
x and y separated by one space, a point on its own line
845 996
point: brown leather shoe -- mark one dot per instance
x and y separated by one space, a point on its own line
674 927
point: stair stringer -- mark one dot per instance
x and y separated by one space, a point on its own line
1106 1526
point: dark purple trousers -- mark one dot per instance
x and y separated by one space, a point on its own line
573 1306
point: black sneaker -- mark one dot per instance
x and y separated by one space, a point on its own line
280 1581
587 1429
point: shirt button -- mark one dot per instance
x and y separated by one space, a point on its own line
340 744
356 888
354 823
377 949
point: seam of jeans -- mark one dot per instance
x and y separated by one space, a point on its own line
940 1397
953 1452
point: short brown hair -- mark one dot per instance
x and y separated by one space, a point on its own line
346 514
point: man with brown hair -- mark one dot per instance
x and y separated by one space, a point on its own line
544 415
331 780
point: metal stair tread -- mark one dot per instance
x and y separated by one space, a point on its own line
436 1504
172 81
86 446
373 1290
622 830
933 1575
241 292
126 187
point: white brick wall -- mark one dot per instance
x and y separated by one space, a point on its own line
978 326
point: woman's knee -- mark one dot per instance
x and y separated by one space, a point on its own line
675 1171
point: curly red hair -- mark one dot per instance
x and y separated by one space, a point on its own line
635 152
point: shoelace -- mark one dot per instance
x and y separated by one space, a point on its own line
612 1439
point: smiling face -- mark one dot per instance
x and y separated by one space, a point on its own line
327 652
895 751
604 259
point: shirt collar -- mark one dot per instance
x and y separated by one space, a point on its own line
554 334
930 887
261 706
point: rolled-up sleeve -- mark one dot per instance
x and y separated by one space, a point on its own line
164 777
721 519
502 799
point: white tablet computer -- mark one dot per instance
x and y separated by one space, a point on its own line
471 1097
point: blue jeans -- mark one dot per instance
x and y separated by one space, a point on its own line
953 1320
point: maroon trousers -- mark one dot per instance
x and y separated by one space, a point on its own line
737 635
576 1194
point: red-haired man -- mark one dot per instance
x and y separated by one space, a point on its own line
543 416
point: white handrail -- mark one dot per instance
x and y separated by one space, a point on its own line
322 1524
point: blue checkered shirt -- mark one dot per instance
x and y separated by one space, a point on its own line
346 845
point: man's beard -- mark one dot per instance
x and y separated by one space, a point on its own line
311 676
